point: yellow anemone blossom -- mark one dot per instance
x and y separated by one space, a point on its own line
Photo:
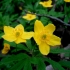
46 3
6 48
29 17
16 34
43 35
67 0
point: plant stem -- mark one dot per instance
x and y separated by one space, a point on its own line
51 17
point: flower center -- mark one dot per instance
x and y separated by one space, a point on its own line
17 34
45 3
30 16
44 37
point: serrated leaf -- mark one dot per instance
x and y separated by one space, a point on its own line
56 14
44 20
23 47
41 11
18 66
34 60
27 65
13 58
40 64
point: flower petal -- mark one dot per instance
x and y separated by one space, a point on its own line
67 0
44 48
54 40
8 30
20 40
19 27
27 35
50 28
37 38
41 3
38 26
9 38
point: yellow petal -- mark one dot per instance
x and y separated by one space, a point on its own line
19 27
50 28
54 40
9 38
44 48
20 40
8 30
67 0
38 26
41 3
25 17
27 35
37 38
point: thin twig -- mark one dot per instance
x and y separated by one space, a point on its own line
51 17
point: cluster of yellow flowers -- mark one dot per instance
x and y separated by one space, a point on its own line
6 48
43 36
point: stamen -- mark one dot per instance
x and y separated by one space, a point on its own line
44 37
17 34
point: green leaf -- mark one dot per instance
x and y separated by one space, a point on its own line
57 50
44 20
12 58
66 19
28 44
56 14
28 1
55 65
29 7
59 2
40 64
1 35
36 5
34 60
22 21
18 66
27 65
42 11
65 63
23 47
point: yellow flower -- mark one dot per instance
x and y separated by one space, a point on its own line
29 17
43 35
16 34
67 0
46 3
6 48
